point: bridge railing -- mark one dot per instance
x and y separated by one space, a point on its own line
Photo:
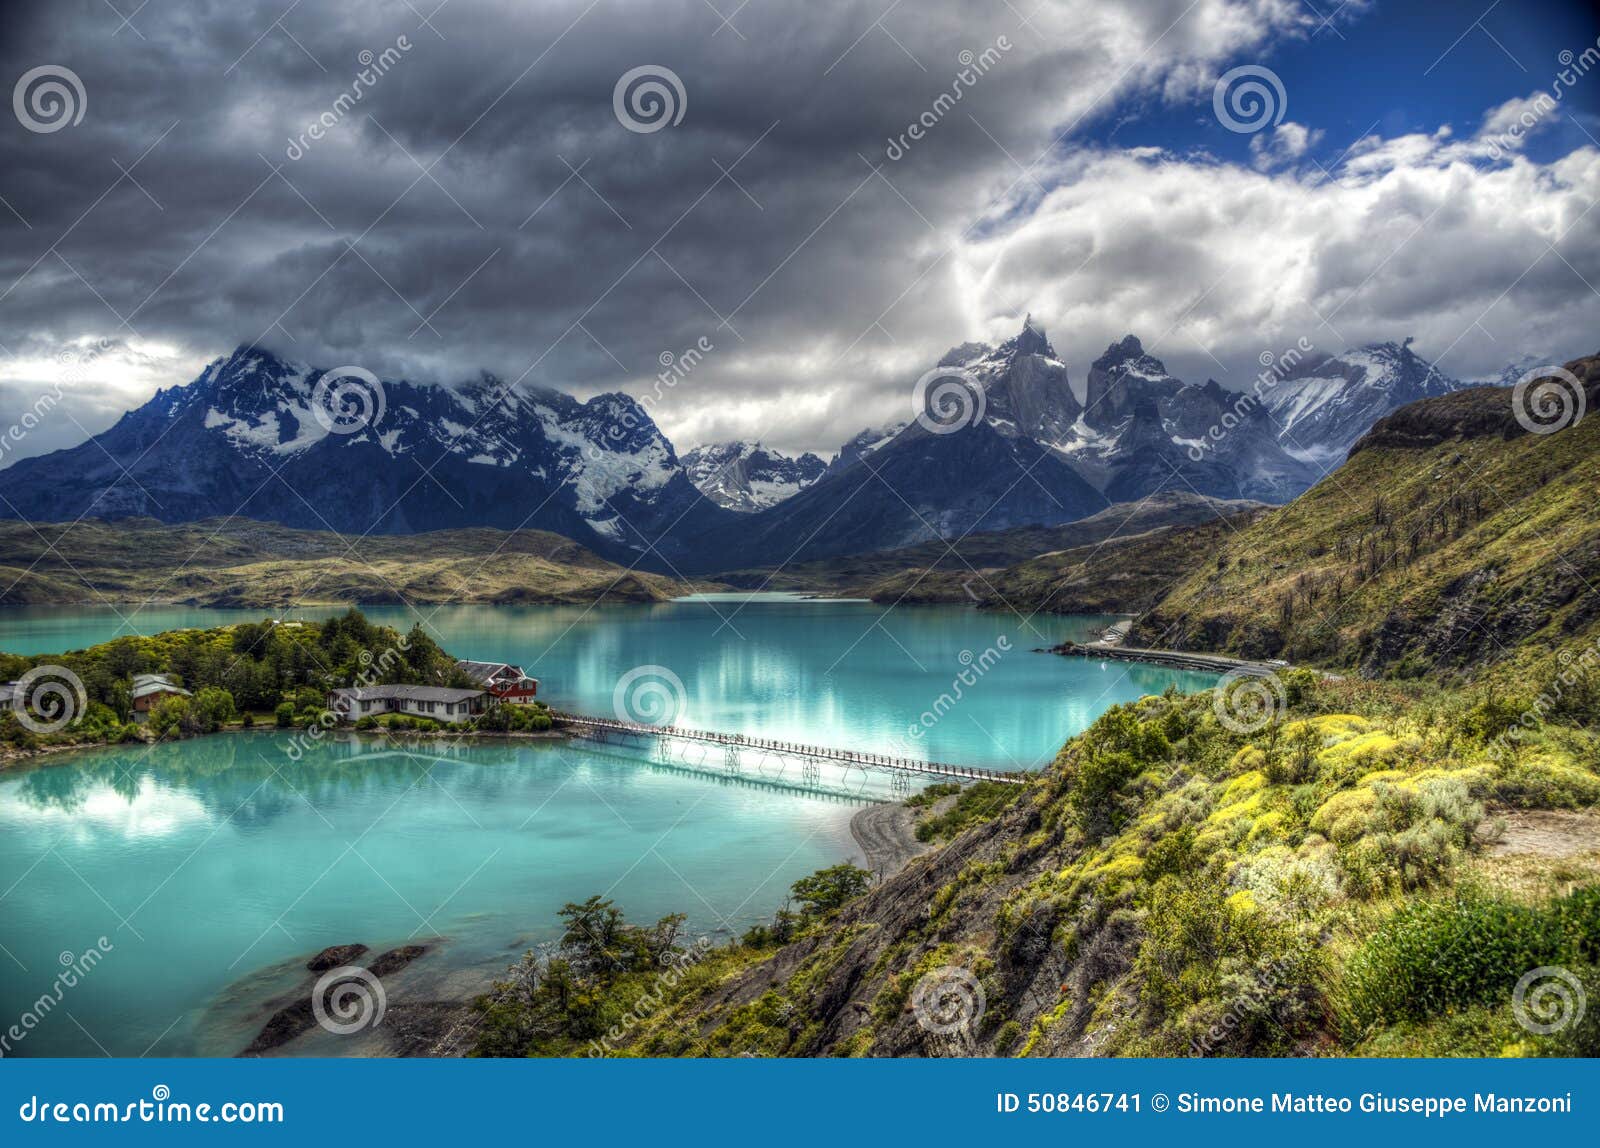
824 753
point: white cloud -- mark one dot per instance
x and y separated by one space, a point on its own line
1284 144
1212 263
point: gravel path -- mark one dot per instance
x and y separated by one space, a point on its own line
887 836
1549 833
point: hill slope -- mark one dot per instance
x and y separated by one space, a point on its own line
1173 887
1451 539
239 562
1124 568
960 570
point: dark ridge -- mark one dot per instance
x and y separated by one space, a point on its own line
1476 412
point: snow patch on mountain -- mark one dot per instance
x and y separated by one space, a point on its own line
1326 403
749 477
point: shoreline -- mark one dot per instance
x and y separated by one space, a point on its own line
886 835
1173 659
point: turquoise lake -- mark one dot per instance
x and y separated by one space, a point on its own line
214 867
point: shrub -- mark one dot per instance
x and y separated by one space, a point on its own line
283 715
977 803
509 718
1435 957
932 794
212 709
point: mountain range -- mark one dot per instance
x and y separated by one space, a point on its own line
265 438
245 439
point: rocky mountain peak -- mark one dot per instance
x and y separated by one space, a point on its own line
964 353
1031 340
1327 402
1128 350
1119 378
1026 387
252 378
748 477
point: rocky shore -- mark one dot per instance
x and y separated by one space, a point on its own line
887 836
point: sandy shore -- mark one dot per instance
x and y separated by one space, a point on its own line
887 836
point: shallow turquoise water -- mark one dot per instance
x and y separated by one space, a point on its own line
213 867
839 673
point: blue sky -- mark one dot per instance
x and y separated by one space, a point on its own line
1395 67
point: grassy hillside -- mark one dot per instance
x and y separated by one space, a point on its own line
1120 574
960 569
238 562
1174 887
1451 540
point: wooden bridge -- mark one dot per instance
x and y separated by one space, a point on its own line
734 742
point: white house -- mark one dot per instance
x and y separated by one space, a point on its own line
436 702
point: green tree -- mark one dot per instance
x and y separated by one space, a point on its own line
213 708
828 889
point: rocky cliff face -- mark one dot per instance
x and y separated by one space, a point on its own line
1025 385
1120 378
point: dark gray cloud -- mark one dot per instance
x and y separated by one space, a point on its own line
481 207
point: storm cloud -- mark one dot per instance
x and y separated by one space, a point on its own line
838 192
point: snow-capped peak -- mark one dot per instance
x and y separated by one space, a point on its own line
1324 404
748 476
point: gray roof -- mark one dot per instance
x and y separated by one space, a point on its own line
146 684
415 693
483 671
